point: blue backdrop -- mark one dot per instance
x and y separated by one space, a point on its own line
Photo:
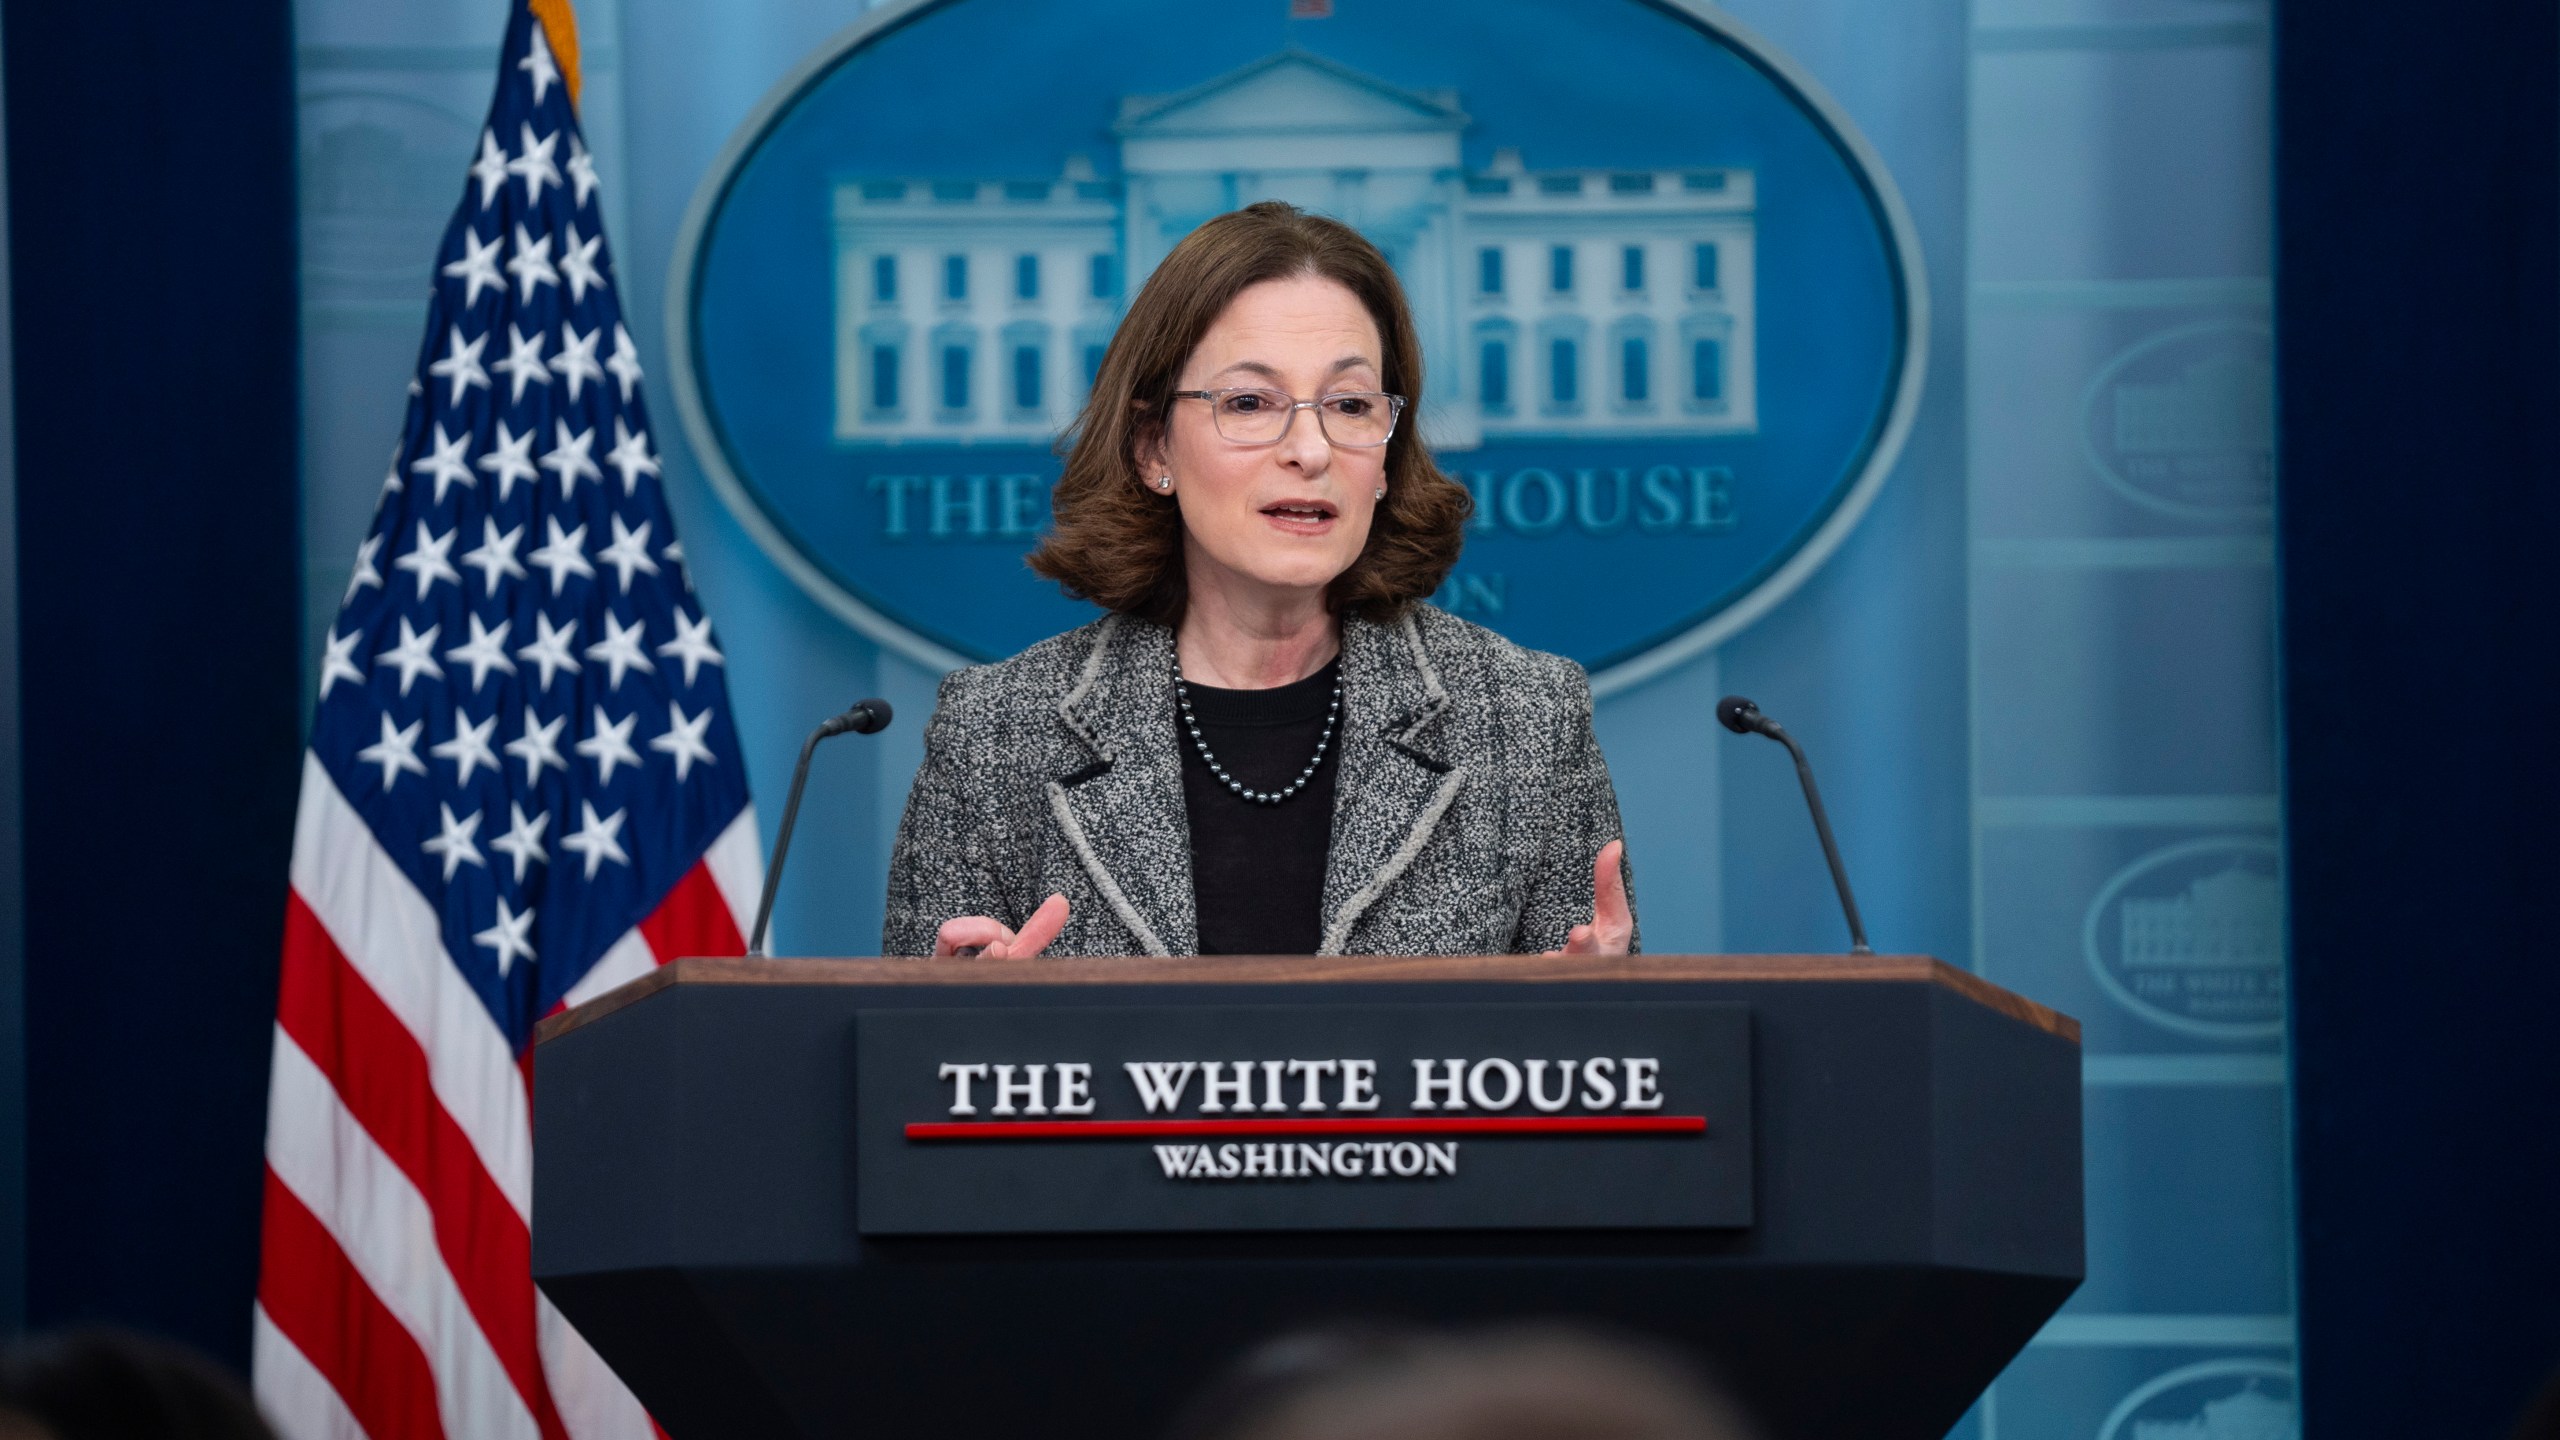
2079 523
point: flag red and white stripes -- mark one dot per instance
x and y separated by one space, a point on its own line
396 1295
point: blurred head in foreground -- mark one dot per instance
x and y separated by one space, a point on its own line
1518 1384
109 1385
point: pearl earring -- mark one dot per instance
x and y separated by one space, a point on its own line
1378 494
1164 482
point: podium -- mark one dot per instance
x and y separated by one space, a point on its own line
963 1198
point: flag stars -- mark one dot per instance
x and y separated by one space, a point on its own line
571 457
496 555
461 364
629 553
523 365
469 749
576 363
563 557
455 845
427 560
486 651
537 747
478 267
596 839
523 841
414 655
582 171
533 163
538 64
625 361
550 648
549 363
609 745
365 574
692 645
511 459
620 650
630 455
490 169
396 752
683 740
337 661
578 262
532 263
446 461
510 937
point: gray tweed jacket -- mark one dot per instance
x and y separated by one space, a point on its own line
1470 802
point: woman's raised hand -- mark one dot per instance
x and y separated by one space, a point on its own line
978 935
1611 925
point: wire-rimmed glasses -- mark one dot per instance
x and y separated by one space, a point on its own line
1248 415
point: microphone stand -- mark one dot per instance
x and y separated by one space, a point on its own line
1742 717
867 717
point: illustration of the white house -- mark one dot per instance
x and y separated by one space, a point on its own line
2224 405
1598 303
2232 919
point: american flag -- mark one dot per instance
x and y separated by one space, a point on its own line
523 789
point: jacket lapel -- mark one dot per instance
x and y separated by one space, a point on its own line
1122 810
1396 779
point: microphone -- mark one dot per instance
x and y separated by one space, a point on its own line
1742 717
867 717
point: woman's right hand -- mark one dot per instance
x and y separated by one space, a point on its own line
978 935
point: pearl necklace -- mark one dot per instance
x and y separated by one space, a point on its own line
1190 722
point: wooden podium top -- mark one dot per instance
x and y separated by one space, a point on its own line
1304 969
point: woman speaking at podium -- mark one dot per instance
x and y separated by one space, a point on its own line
1271 745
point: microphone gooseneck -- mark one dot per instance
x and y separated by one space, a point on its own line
1738 714
867 717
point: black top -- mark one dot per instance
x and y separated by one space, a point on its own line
1258 870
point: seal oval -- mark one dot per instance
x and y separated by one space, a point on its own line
2183 422
1672 309
2235 1399
2191 938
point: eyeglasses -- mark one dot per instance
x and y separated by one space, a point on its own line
1356 419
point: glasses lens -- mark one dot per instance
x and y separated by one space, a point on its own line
1358 419
1252 416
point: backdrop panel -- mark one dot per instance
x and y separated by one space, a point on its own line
2076 529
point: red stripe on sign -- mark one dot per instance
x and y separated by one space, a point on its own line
381 1074
694 919
319 1302
1377 1125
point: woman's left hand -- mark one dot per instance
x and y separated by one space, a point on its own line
1612 925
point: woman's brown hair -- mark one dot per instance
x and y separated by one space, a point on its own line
1119 544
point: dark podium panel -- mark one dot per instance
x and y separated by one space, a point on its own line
1913 1207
